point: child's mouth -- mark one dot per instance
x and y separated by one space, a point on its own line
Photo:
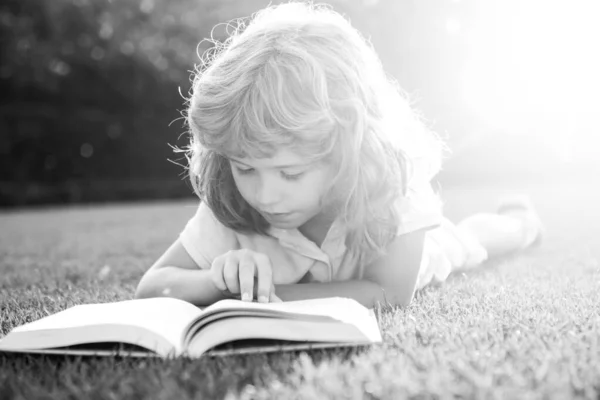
277 217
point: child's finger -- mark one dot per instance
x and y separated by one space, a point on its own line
264 274
231 274
216 272
246 277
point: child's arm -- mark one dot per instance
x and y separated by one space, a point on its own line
365 292
175 274
392 278
192 285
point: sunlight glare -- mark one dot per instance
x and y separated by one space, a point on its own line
532 70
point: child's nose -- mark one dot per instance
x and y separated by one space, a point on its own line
267 194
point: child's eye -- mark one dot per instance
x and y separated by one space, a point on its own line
292 177
243 171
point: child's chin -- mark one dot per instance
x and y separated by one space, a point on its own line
285 222
285 225
294 223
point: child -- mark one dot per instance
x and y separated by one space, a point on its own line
314 176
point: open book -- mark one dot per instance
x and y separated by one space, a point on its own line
167 327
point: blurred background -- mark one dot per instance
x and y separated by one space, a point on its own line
92 90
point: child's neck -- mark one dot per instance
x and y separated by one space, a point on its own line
316 228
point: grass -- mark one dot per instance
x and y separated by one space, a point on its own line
526 326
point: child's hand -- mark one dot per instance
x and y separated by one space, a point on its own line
236 270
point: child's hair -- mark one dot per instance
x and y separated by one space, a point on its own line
299 75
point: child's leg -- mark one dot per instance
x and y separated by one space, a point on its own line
451 247
448 249
514 227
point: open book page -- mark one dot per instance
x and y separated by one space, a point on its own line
229 313
339 308
254 346
152 323
236 308
244 328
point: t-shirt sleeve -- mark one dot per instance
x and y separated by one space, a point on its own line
421 208
205 238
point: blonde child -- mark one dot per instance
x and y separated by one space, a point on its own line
314 176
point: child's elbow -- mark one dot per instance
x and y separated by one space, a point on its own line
402 301
145 288
399 297
405 302
141 292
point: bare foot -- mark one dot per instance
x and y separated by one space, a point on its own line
521 207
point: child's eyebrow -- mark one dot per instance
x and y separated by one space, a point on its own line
282 166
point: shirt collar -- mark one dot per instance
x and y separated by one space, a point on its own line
334 243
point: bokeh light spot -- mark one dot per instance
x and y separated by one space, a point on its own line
86 150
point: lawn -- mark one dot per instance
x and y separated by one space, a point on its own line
526 326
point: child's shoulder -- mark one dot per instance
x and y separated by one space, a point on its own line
206 222
205 226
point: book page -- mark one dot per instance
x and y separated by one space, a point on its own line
340 308
337 308
165 317
243 328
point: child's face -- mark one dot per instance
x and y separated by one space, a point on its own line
285 189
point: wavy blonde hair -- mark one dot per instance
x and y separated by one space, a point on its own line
299 75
